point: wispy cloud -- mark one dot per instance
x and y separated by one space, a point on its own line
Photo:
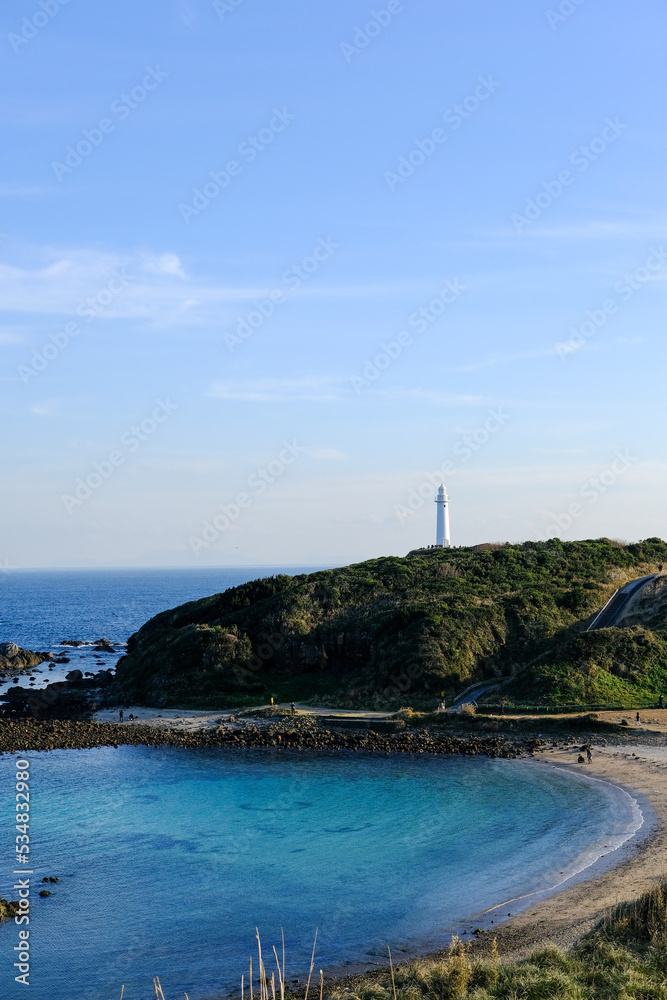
433 396
505 359
162 292
47 408
603 229
326 454
321 390
59 280
7 338
328 390
560 451
591 229
167 263
8 190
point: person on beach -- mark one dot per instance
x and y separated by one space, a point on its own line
120 715
638 719
589 755
661 703
293 707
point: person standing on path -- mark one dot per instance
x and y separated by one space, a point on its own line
293 707
589 755
120 715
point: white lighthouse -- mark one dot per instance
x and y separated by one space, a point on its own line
443 540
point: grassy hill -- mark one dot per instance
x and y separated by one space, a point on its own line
398 631
615 667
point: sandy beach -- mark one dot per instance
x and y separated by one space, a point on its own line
563 917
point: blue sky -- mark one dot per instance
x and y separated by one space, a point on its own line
269 268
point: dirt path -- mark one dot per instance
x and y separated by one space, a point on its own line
190 719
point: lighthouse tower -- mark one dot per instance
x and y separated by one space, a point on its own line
443 540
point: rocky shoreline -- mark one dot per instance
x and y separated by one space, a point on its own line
15 661
26 735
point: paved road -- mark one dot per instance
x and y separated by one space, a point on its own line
473 695
618 603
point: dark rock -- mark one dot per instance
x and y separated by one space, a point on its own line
74 675
61 659
67 733
49 878
104 646
20 660
72 642
45 892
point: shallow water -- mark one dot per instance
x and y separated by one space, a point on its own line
169 858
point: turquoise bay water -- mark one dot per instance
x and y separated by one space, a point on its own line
169 858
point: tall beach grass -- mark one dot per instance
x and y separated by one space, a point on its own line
624 957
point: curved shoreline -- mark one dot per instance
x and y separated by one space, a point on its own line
565 913
580 873
503 926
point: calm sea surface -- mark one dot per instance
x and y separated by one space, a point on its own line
168 859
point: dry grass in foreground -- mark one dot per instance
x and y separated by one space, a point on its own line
623 958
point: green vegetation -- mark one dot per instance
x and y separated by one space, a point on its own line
398 631
624 957
615 666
